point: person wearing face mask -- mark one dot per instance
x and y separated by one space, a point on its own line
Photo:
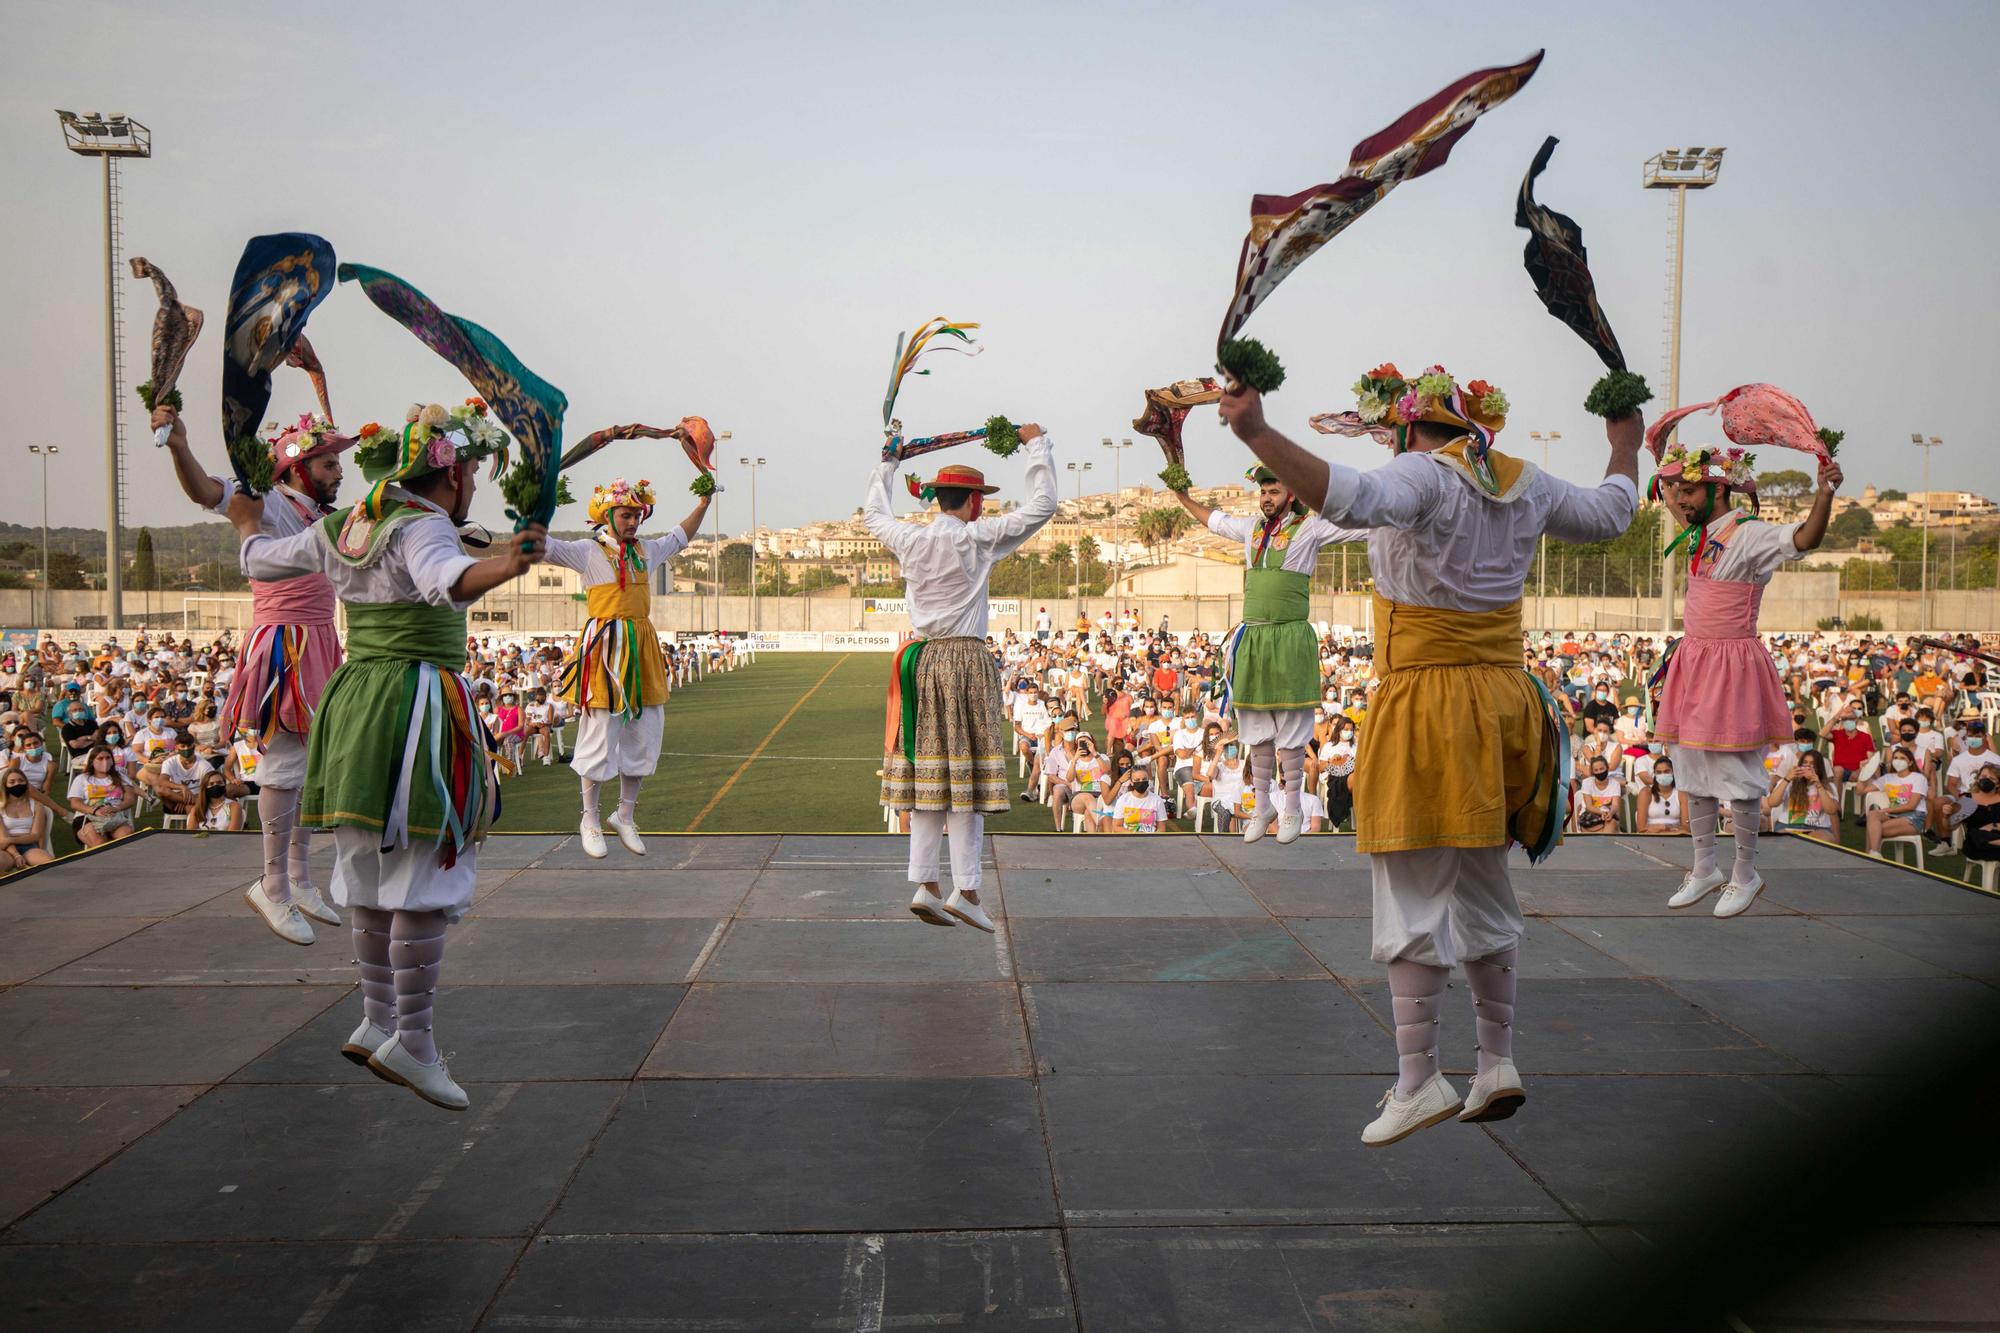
33 760
1595 806
1272 658
1852 748
1722 704
1662 808
1958 777
1982 820
1905 793
1226 785
1059 767
1337 758
215 810
290 653
400 766
945 734
24 823
1138 808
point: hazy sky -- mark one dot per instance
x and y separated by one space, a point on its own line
730 209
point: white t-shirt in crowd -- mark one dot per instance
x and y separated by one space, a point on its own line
1311 807
92 789
1139 814
1228 780
1965 767
1599 796
187 775
1898 788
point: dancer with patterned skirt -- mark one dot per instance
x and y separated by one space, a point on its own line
400 767
946 734
1721 705
1272 659
617 677
285 662
1464 752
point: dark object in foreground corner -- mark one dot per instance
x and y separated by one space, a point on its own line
1759 1215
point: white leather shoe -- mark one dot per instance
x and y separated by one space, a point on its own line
306 897
627 834
593 840
1736 899
1434 1103
433 1083
1290 825
283 918
972 914
1494 1095
928 907
1260 822
1696 887
367 1040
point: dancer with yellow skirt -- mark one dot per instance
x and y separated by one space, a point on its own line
617 677
1464 753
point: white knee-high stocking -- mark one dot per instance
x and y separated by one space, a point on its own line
1491 980
1703 813
416 950
371 956
278 812
1292 772
590 802
628 801
1263 762
1416 992
1744 816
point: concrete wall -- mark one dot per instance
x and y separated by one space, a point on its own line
1795 600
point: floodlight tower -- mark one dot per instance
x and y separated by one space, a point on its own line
1679 171
108 138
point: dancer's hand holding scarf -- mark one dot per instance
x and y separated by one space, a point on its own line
937 335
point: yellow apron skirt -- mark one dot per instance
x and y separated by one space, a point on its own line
1457 750
616 664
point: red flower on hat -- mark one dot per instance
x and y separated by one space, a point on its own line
1478 389
1386 371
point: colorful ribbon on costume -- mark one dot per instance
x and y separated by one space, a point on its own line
1229 647
446 728
612 644
1659 676
1557 730
285 648
910 347
902 709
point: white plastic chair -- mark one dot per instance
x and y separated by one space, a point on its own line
1984 873
173 821
1876 801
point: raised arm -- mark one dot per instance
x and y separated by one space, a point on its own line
1813 531
879 514
1242 410
1196 510
194 480
674 540
1006 533
692 523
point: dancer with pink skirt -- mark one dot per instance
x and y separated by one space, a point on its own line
283 666
1721 705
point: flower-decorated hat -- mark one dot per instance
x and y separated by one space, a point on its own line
957 477
308 438
621 494
1384 397
432 439
1706 462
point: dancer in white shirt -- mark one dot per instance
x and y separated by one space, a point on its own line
946 736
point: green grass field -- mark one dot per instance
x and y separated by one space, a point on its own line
792 742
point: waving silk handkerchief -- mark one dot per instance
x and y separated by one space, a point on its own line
1559 266
1166 414
175 328
1285 230
305 358
1752 414
697 442
998 433
278 281
530 407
